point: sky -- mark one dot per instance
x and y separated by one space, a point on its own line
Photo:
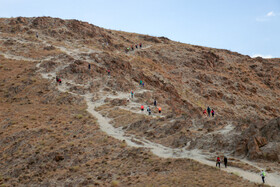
250 27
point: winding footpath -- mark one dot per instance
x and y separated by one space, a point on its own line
272 179
157 149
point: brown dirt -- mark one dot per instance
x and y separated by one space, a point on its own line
48 138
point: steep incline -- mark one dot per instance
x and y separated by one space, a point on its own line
184 79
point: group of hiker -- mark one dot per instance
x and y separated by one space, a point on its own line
209 112
132 47
218 163
141 83
149 109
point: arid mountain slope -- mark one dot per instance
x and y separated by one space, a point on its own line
48 137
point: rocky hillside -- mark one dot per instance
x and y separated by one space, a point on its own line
52 134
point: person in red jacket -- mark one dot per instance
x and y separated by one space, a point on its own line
108 72
142 107
205 112
218 162
213 113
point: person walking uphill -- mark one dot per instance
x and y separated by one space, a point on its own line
155 103
213 113
225 161
108 72
149 110
208 111
159 109
131 94
142 108
205 112
263 175
218 162
89 66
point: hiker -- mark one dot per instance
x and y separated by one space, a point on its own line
218 162
132 48
56 78
37 35
108 72
136 46
149 110
159 109
140 83
89 66
127 49
263 175
142 108
131 94
208 111
140 45
213 113
155 103
59 80
205 112
225 161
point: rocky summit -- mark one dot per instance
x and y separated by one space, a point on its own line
71 97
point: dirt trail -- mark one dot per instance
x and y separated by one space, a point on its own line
157 149
15 57
118 133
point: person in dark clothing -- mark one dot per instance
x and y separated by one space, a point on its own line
56 78
208 111
212 112
225 161
155 103
140 45
89 66
149 110
132 48
136 46
218 162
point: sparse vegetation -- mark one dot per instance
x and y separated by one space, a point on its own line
49 138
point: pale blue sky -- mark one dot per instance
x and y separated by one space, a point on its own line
246 26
